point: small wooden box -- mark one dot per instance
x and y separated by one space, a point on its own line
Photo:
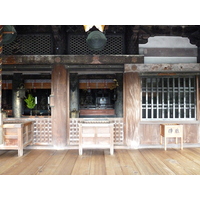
171 130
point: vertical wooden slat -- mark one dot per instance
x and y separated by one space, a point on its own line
184 86
168 98
163 111
147 107
157 100
189 90
173 96
152 105
179 99
1 117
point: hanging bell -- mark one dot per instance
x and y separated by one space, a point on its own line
96 40
9 34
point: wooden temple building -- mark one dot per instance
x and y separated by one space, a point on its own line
141 77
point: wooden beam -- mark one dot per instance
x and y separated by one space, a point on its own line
152 68
71 59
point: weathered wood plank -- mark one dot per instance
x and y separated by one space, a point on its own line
82 165
168 159
126 163
50 167
183 162
164 68
67 164
9 160
143 164
37 164
191 154
112 164
15 166
97 164
70 59
154 159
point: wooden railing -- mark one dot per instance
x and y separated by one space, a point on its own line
42 130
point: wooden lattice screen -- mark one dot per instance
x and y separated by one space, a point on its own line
42 131
118 130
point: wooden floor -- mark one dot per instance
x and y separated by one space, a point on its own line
99 162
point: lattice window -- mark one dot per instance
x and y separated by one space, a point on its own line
77 45
118 130
38 44
169 97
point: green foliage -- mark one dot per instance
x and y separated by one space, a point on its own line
30 101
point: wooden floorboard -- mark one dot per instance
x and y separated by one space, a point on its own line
142 163
126 163
112 164
156 161
100 162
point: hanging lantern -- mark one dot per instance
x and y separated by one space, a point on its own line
96 40
9 34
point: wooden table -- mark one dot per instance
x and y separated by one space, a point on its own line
98 134
17 135
171 130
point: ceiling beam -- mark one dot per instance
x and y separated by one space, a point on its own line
71 59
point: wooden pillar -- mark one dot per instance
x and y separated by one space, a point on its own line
1 117
132 108
60 106
198 54
17 82
74 92
119 101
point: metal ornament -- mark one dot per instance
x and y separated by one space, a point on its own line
9 34
96 40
